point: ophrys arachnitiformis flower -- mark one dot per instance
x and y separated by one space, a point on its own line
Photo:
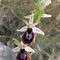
23 54
27 48
29 31
24 51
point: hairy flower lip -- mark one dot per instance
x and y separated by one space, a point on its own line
25 57
32 42
26 43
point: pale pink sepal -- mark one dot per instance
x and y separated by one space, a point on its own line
23 29
37 30
29 49
34 24
26 22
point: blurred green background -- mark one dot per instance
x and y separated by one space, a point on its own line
12 14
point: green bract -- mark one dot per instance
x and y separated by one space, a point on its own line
38 15
15 40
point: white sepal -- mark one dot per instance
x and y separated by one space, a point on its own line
27 17
44 4
29 49
37 30
23 29
31 18
46 15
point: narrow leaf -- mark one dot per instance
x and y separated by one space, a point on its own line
37 4
38 15
16 40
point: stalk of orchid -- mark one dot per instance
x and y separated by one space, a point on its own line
30 31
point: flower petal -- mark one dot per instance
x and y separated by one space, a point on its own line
34 24
26 22
27 17
46 15
29 49
22 29
37 30
31 18
44 3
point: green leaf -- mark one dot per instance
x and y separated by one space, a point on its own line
16 40
37 4
38 15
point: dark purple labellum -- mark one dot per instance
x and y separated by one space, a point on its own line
28 36
23 55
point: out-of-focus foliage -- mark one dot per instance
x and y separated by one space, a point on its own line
12 14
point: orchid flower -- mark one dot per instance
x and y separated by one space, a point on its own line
42 5
23 52
29 31
27 48
23 55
